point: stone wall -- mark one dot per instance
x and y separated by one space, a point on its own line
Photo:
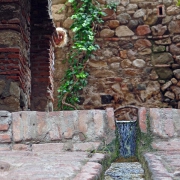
138 60
14 55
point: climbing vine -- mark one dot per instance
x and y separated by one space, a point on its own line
178 3
86 14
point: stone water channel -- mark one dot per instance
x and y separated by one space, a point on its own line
126 167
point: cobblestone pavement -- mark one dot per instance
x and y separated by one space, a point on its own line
125 171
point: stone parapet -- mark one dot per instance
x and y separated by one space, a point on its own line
79 130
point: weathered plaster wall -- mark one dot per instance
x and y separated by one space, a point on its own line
138 60
14 55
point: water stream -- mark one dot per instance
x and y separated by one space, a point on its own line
126 166
127 138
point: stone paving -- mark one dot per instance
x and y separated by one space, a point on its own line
45 162
54 145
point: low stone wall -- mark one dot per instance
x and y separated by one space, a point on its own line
163 126
159 142
22 129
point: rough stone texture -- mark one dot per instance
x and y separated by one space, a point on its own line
158 30
143 30
138 30
26 54
139 63
123 31
107 33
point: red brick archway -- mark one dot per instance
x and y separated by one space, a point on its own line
26 55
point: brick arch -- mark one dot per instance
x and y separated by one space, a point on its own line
26 55
41 55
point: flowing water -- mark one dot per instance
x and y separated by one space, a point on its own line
126 166
127 138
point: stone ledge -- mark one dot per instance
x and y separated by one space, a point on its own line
81 126
50 165
163 165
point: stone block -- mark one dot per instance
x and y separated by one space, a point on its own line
113 23
21 147
15 90
10 39
83 119
143 30
5 138
4 127
90 170
86 146
25 126
5 147
106 33
5 117
123 31
162 124
99 123
110 118
52 147
142 43
142 116
69 124
55 12
170 145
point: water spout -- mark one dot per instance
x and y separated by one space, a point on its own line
127 138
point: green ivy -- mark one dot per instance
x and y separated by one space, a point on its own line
86 14
178 3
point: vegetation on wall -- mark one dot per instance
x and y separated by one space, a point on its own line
86 14
178 3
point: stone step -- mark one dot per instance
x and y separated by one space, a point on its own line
163 165
125 171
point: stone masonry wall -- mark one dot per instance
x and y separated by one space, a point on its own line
19 130
14 55
138 60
